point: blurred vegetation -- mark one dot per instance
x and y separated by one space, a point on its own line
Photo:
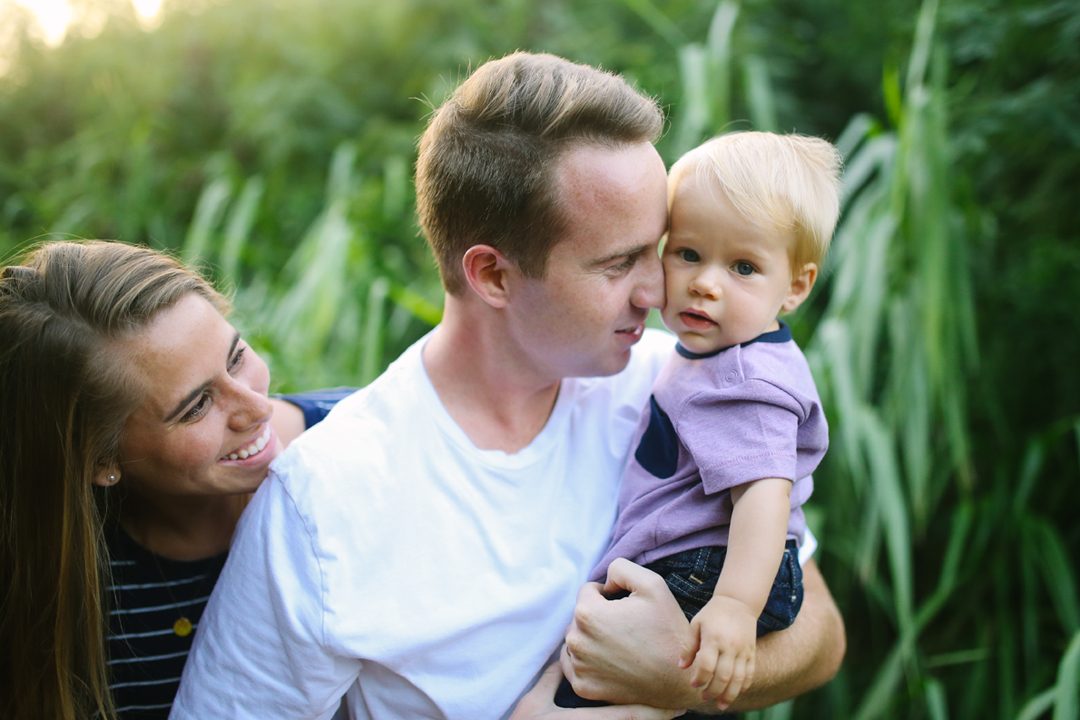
274 141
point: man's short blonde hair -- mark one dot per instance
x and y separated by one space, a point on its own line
787 182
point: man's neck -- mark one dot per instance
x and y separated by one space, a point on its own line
486 384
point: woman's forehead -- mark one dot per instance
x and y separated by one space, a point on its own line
182 348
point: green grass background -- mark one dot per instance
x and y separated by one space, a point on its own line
273 143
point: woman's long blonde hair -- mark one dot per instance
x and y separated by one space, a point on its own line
63 405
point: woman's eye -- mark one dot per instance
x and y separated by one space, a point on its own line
198 409
238 359
690 256
744 268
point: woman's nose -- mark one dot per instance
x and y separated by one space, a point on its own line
251 408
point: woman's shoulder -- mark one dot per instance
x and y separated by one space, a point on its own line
317 404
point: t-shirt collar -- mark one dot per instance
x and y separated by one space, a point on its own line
780 335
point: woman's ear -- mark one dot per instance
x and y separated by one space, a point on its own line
801 285
106 476
486 270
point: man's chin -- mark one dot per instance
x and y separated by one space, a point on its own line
608 366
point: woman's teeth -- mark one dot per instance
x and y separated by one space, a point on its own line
251 449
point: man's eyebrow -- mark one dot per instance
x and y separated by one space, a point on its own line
202 388
620 254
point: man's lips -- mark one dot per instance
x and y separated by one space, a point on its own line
632 333
696 320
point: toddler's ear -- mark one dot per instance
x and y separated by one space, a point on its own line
801 285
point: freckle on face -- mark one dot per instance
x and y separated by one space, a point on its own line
183 348
578 321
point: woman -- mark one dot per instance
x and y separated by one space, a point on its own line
134 423
121 379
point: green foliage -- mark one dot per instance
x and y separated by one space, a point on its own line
272 142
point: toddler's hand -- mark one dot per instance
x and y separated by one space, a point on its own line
723 638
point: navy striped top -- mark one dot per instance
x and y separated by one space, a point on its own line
149 593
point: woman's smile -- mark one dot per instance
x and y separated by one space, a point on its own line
254 448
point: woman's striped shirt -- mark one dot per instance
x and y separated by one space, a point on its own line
149 593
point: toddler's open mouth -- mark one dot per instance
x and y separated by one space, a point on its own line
696 320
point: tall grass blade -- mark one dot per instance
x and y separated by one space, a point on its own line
1059 574
1038 706
1029 605
920 52
719 44
395 187
879 698
937 706
886 480
759 94
1029 471
372 346
417 305
1067 691
658 21
962 521
694 111
238 228
208 214
779 711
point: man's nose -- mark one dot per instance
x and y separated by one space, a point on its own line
649 291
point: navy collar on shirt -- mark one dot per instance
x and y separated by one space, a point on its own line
780 335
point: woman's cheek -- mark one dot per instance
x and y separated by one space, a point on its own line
259 373
204 447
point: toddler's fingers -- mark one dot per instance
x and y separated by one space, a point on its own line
720 678
705 664
736 686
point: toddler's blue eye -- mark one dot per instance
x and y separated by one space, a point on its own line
744 268
690 256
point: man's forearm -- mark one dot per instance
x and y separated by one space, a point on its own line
803 657
626 651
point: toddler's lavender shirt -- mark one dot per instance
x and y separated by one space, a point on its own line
716 421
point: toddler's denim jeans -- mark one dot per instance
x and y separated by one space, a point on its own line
691 576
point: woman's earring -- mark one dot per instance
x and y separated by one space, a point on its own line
112 480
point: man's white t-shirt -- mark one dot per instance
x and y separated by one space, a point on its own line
388 559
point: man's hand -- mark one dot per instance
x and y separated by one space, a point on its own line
539 704
628 650
723 638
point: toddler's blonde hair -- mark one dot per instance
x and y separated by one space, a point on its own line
787 182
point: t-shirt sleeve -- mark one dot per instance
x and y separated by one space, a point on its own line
740 434
258 650
317 404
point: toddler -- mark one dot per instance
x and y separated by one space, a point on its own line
712 497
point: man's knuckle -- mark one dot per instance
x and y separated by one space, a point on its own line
584 618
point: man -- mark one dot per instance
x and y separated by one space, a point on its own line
420 551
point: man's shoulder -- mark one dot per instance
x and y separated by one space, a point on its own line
360 427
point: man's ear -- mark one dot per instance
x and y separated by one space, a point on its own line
801 285
486 270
